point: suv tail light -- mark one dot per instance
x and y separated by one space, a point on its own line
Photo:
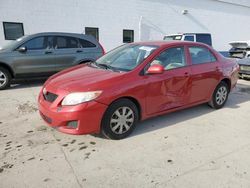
103 51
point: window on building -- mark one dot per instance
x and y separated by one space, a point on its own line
12 30
35 44
171 58
128 36
201 55
92 31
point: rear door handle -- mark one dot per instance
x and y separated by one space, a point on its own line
186 74
48 52
78 51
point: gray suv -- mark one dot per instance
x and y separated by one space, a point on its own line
43 54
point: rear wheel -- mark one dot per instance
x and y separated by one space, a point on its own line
5 78
220 96
119 120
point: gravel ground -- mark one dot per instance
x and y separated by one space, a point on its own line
196 147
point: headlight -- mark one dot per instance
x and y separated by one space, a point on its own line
80 97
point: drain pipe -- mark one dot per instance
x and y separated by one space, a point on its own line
140 24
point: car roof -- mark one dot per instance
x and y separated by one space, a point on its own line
77 35
57 33
169 43
187 34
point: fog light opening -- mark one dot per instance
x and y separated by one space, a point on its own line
72 124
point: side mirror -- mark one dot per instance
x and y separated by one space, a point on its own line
155 69
22 49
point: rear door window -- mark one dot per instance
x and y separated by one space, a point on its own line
61 42
49 40
66 42
72 42
201 55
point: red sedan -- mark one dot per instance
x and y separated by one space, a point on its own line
134 82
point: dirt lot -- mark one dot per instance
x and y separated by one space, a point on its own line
197 147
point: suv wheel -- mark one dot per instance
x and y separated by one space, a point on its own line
4 78
119 120
220 96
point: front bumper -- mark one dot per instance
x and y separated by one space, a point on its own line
244 71
87 116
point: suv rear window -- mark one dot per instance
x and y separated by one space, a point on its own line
189 38
204 38
86 44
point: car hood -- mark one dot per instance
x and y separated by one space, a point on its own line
245 61
83 78
3 51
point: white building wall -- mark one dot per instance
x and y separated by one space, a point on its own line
226 20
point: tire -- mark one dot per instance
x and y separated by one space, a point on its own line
5 78
220 96
115 127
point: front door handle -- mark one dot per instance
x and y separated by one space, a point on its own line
48 52
186 74
78 51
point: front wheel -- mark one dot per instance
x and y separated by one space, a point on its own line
119 120
4 78
220 96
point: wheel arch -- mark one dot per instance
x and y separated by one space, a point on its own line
228 82
225 80
4 65
132 99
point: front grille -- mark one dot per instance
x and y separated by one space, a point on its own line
245 68
51 97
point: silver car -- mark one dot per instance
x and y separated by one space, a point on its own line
43 54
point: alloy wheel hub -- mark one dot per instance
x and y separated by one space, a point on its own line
221 95
122 120
3 78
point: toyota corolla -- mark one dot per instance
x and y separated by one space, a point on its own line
134 82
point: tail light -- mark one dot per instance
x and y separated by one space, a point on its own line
103 51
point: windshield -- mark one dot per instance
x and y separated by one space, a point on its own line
172 37
12 43
126 57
